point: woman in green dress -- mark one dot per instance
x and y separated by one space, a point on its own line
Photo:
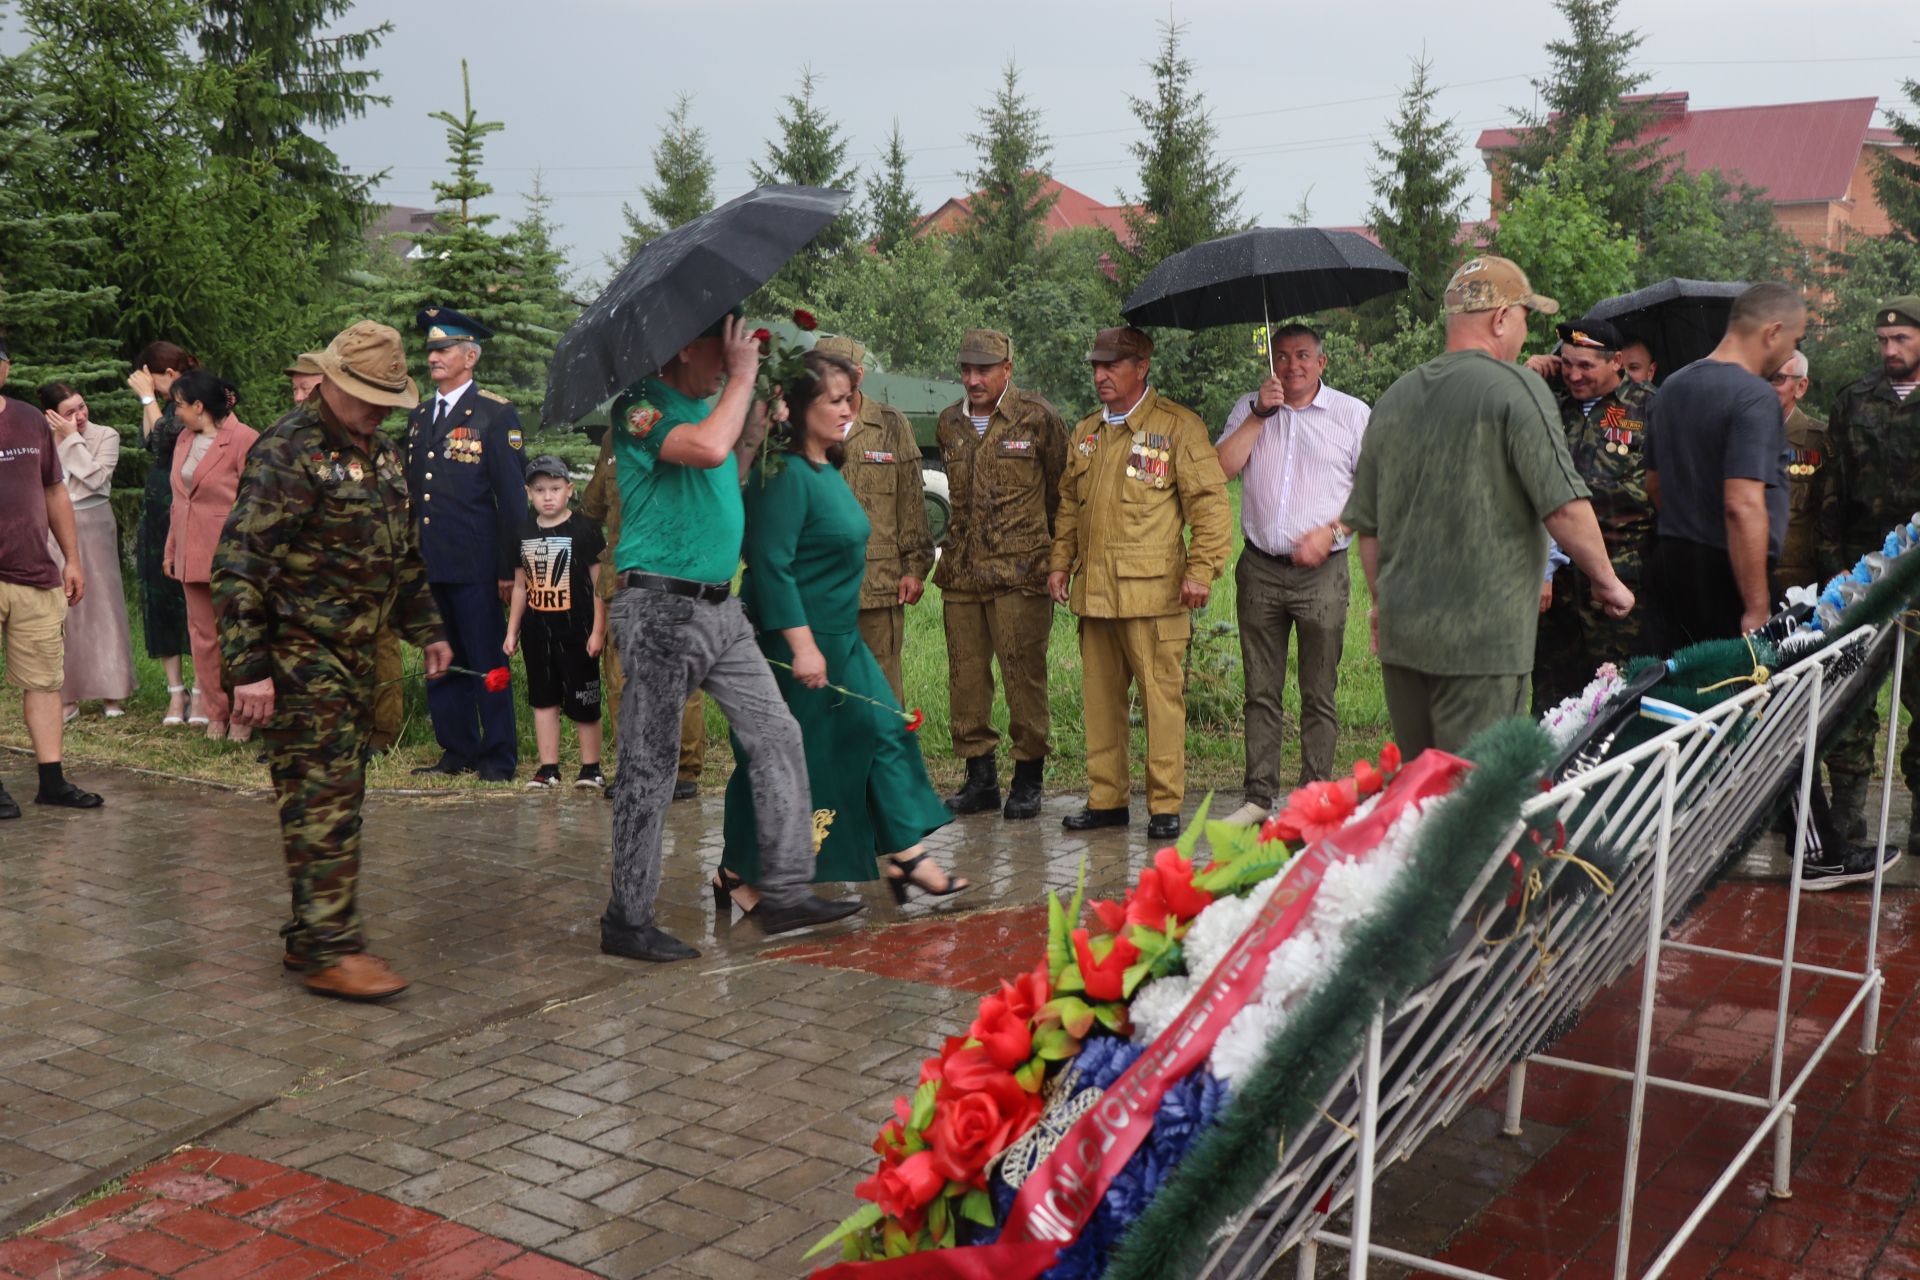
806 552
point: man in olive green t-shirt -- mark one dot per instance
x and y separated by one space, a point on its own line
1463 464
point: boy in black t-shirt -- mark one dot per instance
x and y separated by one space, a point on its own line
562 620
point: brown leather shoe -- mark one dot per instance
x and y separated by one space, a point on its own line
293 963
356 977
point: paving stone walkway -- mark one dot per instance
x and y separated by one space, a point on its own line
705 1119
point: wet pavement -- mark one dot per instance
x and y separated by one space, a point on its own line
711 1118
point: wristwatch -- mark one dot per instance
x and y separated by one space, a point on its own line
145 401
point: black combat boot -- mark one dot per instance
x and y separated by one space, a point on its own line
1023 796
981 792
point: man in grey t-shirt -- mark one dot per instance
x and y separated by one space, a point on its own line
1716 469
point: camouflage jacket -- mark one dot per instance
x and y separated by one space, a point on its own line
1608 446
1005 489
883 470
1873 480
317 556
601 503
1807 439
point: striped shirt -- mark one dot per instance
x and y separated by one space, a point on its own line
1301 469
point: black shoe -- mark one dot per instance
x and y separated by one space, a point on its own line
68 796
1023 796
9 807
503 775
1848 864
980 793
644 944
591 778
684 789
445 764
1163 826
1089 818
804 914
545 777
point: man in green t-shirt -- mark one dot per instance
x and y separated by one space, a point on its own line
1463 463
678 627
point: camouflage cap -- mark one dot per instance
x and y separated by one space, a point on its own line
846 348
1487 283
302 363
985 346
368 362
1123 343
1903 310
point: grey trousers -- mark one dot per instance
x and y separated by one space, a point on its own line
669 646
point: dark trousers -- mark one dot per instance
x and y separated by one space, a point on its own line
1696 598
473 726
1275 598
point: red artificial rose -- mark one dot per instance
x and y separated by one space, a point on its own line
1007 1037
1390 759
1107 979
903 1190
805 319
499 679
1176 884
915 720
969 1130
1279 827
891 1141
1112 915
1367 780
936 1068
1026 993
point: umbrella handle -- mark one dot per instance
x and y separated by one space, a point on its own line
1266 324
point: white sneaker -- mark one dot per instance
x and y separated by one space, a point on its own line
1247 815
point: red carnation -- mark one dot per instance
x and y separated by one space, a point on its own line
915 720
1315 810
805 319
498 679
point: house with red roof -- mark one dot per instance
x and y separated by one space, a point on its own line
1815 160
1071 210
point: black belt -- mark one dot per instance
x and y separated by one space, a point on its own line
1288 561
711 592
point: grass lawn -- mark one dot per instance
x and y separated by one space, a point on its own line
1215 742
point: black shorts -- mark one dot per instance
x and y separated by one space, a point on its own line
559 672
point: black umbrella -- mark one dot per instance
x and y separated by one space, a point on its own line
675 287
1679 320
1251 276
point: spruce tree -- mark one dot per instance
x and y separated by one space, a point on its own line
541 291
892 210
683 189
1418 198
810 152
1897 182
1010 200
291 77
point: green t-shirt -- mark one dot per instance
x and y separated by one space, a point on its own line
683 522
1463 459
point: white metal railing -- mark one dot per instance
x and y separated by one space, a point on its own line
1669 812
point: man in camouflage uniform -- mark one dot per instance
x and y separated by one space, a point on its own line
1004 450
601 504
1871 484
317 557
1605 416
883 470
1139 472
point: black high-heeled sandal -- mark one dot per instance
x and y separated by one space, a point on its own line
899 884
724 883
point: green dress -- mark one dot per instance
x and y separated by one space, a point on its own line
806 553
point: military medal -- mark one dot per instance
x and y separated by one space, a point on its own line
355 470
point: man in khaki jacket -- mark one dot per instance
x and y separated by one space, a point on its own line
1137 473
1004 450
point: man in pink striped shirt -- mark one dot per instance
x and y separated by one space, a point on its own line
1295 442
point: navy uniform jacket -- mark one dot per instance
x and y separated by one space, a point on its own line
467 487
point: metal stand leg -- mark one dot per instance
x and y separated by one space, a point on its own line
1782 1187
1870 1016
1307 1257
1369 1133
1516 1087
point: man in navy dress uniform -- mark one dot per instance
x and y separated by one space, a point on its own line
467 489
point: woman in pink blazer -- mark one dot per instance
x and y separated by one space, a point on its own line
206 476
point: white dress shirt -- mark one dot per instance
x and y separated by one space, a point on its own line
447 400
1301 469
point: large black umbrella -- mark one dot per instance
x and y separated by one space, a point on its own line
1251 276
675 287
1679 320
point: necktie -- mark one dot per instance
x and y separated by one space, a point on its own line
439 411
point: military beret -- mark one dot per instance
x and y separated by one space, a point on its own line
1903 310
844 347
446 327
1123 343
1595 335
985 346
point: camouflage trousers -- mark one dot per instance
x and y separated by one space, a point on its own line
1576 636
1852 751
389 694
316 752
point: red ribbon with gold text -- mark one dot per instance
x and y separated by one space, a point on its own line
1056 1201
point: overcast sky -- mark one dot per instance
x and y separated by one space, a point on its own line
1299 90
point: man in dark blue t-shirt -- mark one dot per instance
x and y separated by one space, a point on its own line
1716 469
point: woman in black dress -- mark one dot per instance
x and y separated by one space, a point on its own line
163 606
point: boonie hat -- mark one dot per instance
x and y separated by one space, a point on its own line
1595 335
367 361
1489 282
301 364
1904 309
446 327
844 347
985 346
547 465
1123 343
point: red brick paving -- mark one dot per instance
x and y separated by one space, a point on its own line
204 1215
970 952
